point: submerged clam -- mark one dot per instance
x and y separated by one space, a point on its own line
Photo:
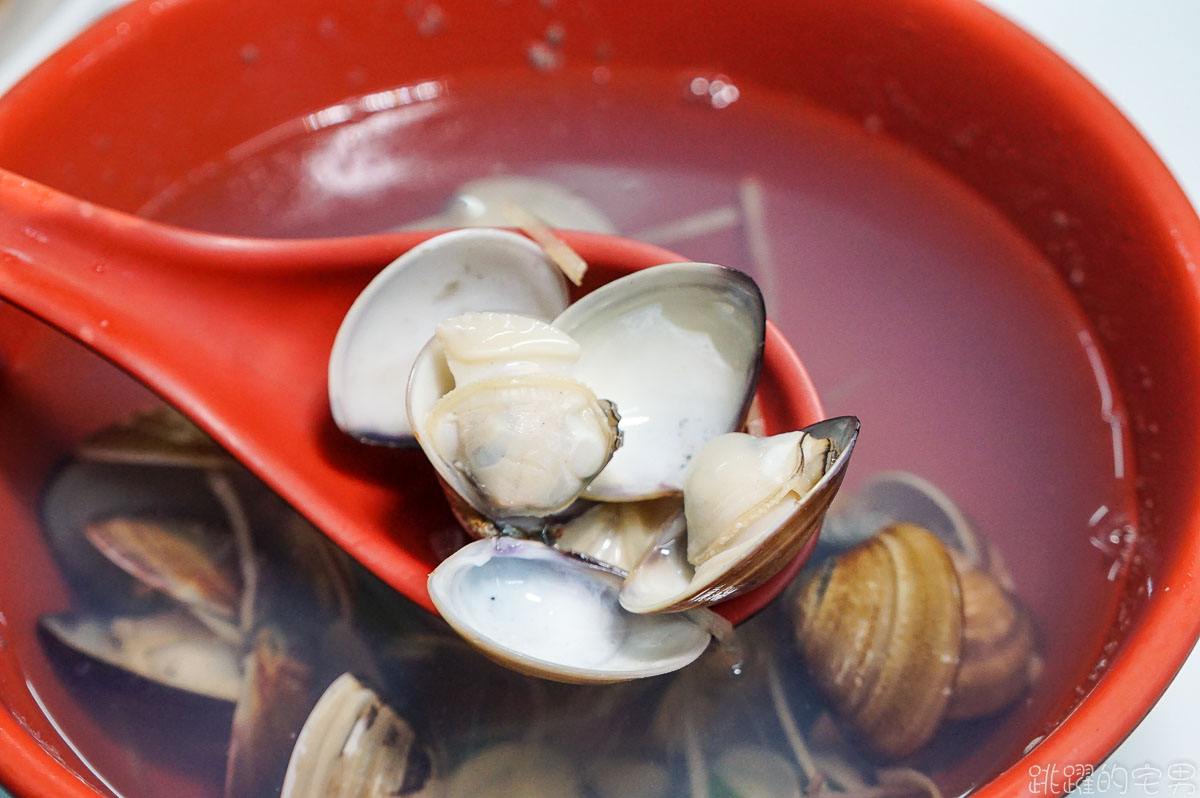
483 203
168 647
901 633
892 497
998 659
881 631
355 745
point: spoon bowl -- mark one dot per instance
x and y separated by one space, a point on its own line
237 333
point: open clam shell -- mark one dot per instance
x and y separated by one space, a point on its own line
895 497
617 534
678 349
86 492
170 648
272 704
389 322
160 436
754 503
354 745
193 563
545 613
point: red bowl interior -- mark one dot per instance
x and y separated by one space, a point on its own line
947 79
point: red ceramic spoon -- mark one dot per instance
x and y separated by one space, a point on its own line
236 332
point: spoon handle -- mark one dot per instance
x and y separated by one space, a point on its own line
236 333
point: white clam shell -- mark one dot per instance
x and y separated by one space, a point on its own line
169 647
545 613
389 322
678 349
519 447
354 744
757 532
492 403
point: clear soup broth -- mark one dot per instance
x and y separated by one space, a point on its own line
912 303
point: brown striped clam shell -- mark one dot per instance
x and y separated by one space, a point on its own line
881 629
998 658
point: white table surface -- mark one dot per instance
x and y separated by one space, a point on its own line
1143 54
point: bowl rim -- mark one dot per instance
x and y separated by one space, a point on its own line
1151 653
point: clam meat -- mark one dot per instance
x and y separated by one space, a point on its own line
516 435
750 506
618 534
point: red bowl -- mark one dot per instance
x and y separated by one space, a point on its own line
160 88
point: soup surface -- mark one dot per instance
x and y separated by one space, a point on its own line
913 305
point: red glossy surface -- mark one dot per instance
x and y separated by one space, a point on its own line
947 78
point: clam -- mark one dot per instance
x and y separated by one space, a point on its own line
84 493
494 404
998 659
389 322
545 612
538 611
893 497
159 436
271 706
678 349
901 633
193 563
482 203
617 534
881 631
750 506
354 745
170 648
